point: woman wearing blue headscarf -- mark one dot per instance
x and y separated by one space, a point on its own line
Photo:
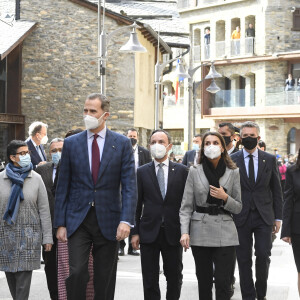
25 221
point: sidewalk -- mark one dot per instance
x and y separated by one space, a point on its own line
282 283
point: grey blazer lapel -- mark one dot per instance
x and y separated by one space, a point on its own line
225 178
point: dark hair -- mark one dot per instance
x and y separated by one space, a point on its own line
105 103
298 161
163 131
198 135
132 129
228 161
231 128
72 132
261 143
13 147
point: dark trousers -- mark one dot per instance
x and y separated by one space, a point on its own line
19 284
262 232
223 259
104 255
51 269
172 266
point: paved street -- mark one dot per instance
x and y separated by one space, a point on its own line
282 279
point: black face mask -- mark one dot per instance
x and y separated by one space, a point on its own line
249 142
227 140
133 141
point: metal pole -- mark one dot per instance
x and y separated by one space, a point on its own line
102 49
190 114
157 85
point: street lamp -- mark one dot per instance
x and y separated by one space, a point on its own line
133 45
192 85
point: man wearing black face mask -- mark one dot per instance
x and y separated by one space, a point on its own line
142 156
227 131
261 213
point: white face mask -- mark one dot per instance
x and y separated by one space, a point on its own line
158 150
212 151
92 122
44 140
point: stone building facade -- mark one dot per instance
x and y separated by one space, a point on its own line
254 69
60 65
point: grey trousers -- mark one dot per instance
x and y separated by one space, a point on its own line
19 284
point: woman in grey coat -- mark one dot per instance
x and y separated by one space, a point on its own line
212 194
25 221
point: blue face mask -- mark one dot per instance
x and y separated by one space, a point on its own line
196 147
25 160
56 157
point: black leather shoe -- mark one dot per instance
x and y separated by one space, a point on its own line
133 252
121 252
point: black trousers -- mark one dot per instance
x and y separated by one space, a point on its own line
105 254
262 232
19 284
172 266
223 259
50 260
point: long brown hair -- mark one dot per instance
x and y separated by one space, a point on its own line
228 161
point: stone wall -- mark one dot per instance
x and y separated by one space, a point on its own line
60 67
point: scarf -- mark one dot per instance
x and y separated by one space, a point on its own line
213 176
17 176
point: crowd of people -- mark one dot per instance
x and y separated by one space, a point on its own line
101 187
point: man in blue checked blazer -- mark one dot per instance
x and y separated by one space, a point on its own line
97 167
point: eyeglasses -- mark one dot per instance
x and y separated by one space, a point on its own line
22 153
56 150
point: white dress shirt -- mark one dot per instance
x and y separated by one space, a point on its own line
54 172
135 150
196 157
100 142
230 150
165 169
255 161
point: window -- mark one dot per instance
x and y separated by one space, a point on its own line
296 19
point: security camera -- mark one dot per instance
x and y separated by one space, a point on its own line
293 9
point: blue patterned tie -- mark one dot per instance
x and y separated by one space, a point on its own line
161 179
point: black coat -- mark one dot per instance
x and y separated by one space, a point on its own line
35 157
144 156
189 158
291 207
151 207
266 192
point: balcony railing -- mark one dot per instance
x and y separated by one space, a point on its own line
235 47
196 53
246 98
220 49
249 45
206 51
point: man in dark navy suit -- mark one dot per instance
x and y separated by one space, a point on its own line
191 156
97 166
160 189
227 130
37 138
261 213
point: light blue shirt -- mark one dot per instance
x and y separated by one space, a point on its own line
255 161
100 142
